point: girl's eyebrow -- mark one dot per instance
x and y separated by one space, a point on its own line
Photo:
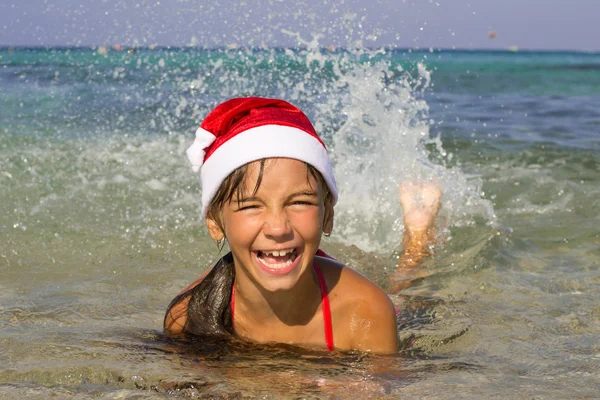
304 193
245 199
309 193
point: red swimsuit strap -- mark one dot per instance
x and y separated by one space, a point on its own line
232 301
324 303
326 309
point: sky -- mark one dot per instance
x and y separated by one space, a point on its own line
464 24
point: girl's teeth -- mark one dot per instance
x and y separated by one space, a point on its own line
263 256
279 253
280 265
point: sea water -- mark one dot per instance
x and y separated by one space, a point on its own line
100 223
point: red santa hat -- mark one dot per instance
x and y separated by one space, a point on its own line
243 130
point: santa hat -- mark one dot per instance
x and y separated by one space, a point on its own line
243 130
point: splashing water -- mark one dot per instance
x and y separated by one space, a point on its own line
374 120
382 142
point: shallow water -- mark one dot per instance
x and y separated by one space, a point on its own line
100 225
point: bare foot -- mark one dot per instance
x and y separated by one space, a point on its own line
420 204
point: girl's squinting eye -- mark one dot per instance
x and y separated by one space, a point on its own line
246 203
303 202
244 207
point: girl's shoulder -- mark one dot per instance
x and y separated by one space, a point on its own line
363 314
348 285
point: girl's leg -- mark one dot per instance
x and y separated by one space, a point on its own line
420 204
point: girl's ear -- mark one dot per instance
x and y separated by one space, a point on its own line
214 230
328 220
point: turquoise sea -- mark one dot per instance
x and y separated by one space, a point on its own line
100 223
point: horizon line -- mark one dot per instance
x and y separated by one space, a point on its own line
429 49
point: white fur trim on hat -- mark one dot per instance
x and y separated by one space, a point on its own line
264 141
195 152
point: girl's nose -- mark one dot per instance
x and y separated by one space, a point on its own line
277 224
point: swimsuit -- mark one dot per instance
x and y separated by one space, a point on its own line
324 304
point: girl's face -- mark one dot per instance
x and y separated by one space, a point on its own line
274 233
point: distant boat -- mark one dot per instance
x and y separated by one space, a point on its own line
513 48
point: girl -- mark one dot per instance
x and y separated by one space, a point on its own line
268 189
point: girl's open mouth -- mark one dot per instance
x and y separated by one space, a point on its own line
277 262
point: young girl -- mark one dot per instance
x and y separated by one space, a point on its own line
268 189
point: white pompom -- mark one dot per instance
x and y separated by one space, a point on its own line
195 152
